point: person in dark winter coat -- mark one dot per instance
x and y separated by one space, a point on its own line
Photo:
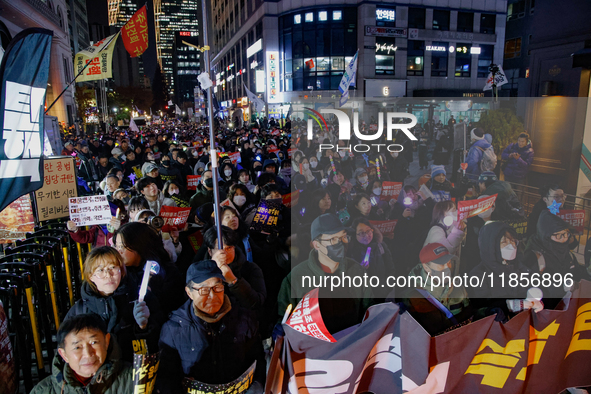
476 152
88 361
499 255
397 167
105 292
441 188
210 338
549 194
518 157
204 192
549 251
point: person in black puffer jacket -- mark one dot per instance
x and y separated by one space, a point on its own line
105 292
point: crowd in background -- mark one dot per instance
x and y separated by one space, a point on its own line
212 311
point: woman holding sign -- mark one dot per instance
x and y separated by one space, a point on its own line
107 293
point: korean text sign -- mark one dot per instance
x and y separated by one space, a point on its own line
174 217
90 210
470 208
58 187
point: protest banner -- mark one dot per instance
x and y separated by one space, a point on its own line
574 217
196 240
237 386
544 352
470 208
145 370
7 367
290 152
193 181
386 227
266 217
16 220
235 157
306 318
59 185
273 149
390 190
291 199
90 210
174 218
227 203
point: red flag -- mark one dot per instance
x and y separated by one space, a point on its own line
135 33
310 64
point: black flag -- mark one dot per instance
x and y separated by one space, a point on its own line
24 72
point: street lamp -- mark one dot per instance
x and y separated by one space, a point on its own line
115 110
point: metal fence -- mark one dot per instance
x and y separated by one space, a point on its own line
529 196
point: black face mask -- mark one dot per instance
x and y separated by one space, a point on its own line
257 169
336 252
209 182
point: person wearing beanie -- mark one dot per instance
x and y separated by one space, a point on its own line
441 188
211 338
476 153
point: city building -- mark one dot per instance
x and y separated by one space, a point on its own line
186 66
78 25
18 15
171 17
412 48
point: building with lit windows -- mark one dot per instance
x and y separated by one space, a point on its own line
300 49
170 17
186 67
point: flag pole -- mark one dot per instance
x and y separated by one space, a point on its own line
81 71
213 153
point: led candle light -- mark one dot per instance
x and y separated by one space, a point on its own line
365 262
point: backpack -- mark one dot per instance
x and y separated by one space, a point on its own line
488 162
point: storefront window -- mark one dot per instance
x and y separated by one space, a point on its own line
439 58
415 58
463 59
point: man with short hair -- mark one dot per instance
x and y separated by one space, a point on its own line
518 157
327 258
210 338
88 361
148 188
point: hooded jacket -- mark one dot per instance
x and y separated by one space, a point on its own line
113 377
201 196
516 169
117 312
474 157
542 254
489 242
209 352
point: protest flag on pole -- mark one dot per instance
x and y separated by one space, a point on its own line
96 60
135 33
258 103
348 79
24 72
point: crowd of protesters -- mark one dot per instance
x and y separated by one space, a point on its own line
212 311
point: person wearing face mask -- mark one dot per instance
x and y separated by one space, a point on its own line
242 199
228 175
499 255
310 180
285 172
316 171
437 308
204 193
549 251
441 188
397 166
362 179
445 228
167 171
176 192
550 194
367 247
382 206
327 258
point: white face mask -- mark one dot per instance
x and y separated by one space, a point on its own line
239 200
341 153
509 252
228 172
306 166
313 164
377 191
394 154
363 179
173 192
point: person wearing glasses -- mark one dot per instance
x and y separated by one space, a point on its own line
549 251
549 194
326 259
210 338
106 292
